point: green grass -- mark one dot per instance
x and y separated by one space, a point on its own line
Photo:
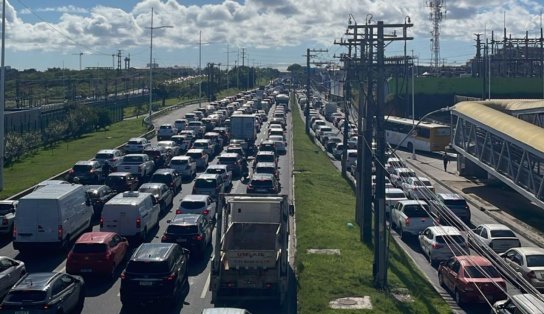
45 163
324 207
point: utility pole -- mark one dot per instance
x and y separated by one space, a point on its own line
371 108
2 97
308 83
80 55
200 71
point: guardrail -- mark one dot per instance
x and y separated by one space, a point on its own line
149 134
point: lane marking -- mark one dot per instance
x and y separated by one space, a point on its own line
206 286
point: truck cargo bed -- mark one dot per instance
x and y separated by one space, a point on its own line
251 245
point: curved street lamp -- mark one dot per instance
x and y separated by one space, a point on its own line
151 64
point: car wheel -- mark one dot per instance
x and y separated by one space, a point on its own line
143 235
402 234
441 280
431 261
458 298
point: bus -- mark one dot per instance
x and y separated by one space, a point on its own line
427 136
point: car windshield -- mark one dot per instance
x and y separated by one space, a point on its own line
416 211
135 142
265 158
20 296
82 168
152 190
205 183
200 145
5 209
165 127
502 234
103 156
270 170
535 260
481 272
115 180
457 238
179 162
227 160
133 159
261 183
194 155
192 205
181 230
215 170
161 178
395 195
83 248
148 267
456 203
407 174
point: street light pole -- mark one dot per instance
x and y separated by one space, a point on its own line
413 107
151 64
2 96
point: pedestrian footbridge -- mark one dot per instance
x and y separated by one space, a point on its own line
506 139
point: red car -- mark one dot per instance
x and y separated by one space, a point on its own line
97 253
468 277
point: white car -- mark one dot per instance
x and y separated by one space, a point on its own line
112 156
166 131
498 237
7 217
185 165
136 145
401 175
392 197
222 170
440 243
280 144
416 189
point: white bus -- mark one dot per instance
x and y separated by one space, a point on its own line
427 136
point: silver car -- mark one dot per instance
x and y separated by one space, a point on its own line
440 243
185 165
11 271
7 217
528 262
197 204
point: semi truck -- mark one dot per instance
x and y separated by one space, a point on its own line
243 127
250 259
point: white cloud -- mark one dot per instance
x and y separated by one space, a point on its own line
259 24
64 9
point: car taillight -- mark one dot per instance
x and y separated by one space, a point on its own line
171 277
198 237
138 222
123 275
268 285
436 245
231 284
407 221
71 171
178 211
531 275
205 212
109 255
4 221
14 232
60 232
101 222
165 237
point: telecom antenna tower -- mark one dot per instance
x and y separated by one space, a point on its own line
436 17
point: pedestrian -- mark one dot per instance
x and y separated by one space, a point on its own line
245 169
445 159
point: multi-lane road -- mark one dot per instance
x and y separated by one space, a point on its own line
102 295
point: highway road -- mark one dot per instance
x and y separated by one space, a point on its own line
411 246
103 294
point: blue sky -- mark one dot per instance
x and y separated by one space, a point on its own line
44 34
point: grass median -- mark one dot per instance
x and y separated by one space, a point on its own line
325 220
47 162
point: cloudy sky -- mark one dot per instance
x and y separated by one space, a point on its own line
43 34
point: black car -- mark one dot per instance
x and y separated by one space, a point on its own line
155 272
46 292
99 195
191 231
168 176
85 172
159 155
122 181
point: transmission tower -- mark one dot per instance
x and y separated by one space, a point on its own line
436 17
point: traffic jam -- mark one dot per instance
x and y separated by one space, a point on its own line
138 223
483 266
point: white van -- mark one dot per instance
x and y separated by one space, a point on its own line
52 216
130 214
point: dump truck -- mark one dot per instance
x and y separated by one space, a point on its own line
250 254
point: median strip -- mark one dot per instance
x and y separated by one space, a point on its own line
325 220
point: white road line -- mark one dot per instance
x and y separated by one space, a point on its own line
206 287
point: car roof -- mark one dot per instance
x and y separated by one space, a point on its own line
35 281
152 251
195 150
444 230
495 226
472 260
151 185
262 176
119 174
413 202
181 158
107 151
95 237
185 219
207 176
268 141
164 171
229 155
265 152
265 164
529 250
195 198
203 140
218 166
393 190
166 142
531 302
86 162
450 196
